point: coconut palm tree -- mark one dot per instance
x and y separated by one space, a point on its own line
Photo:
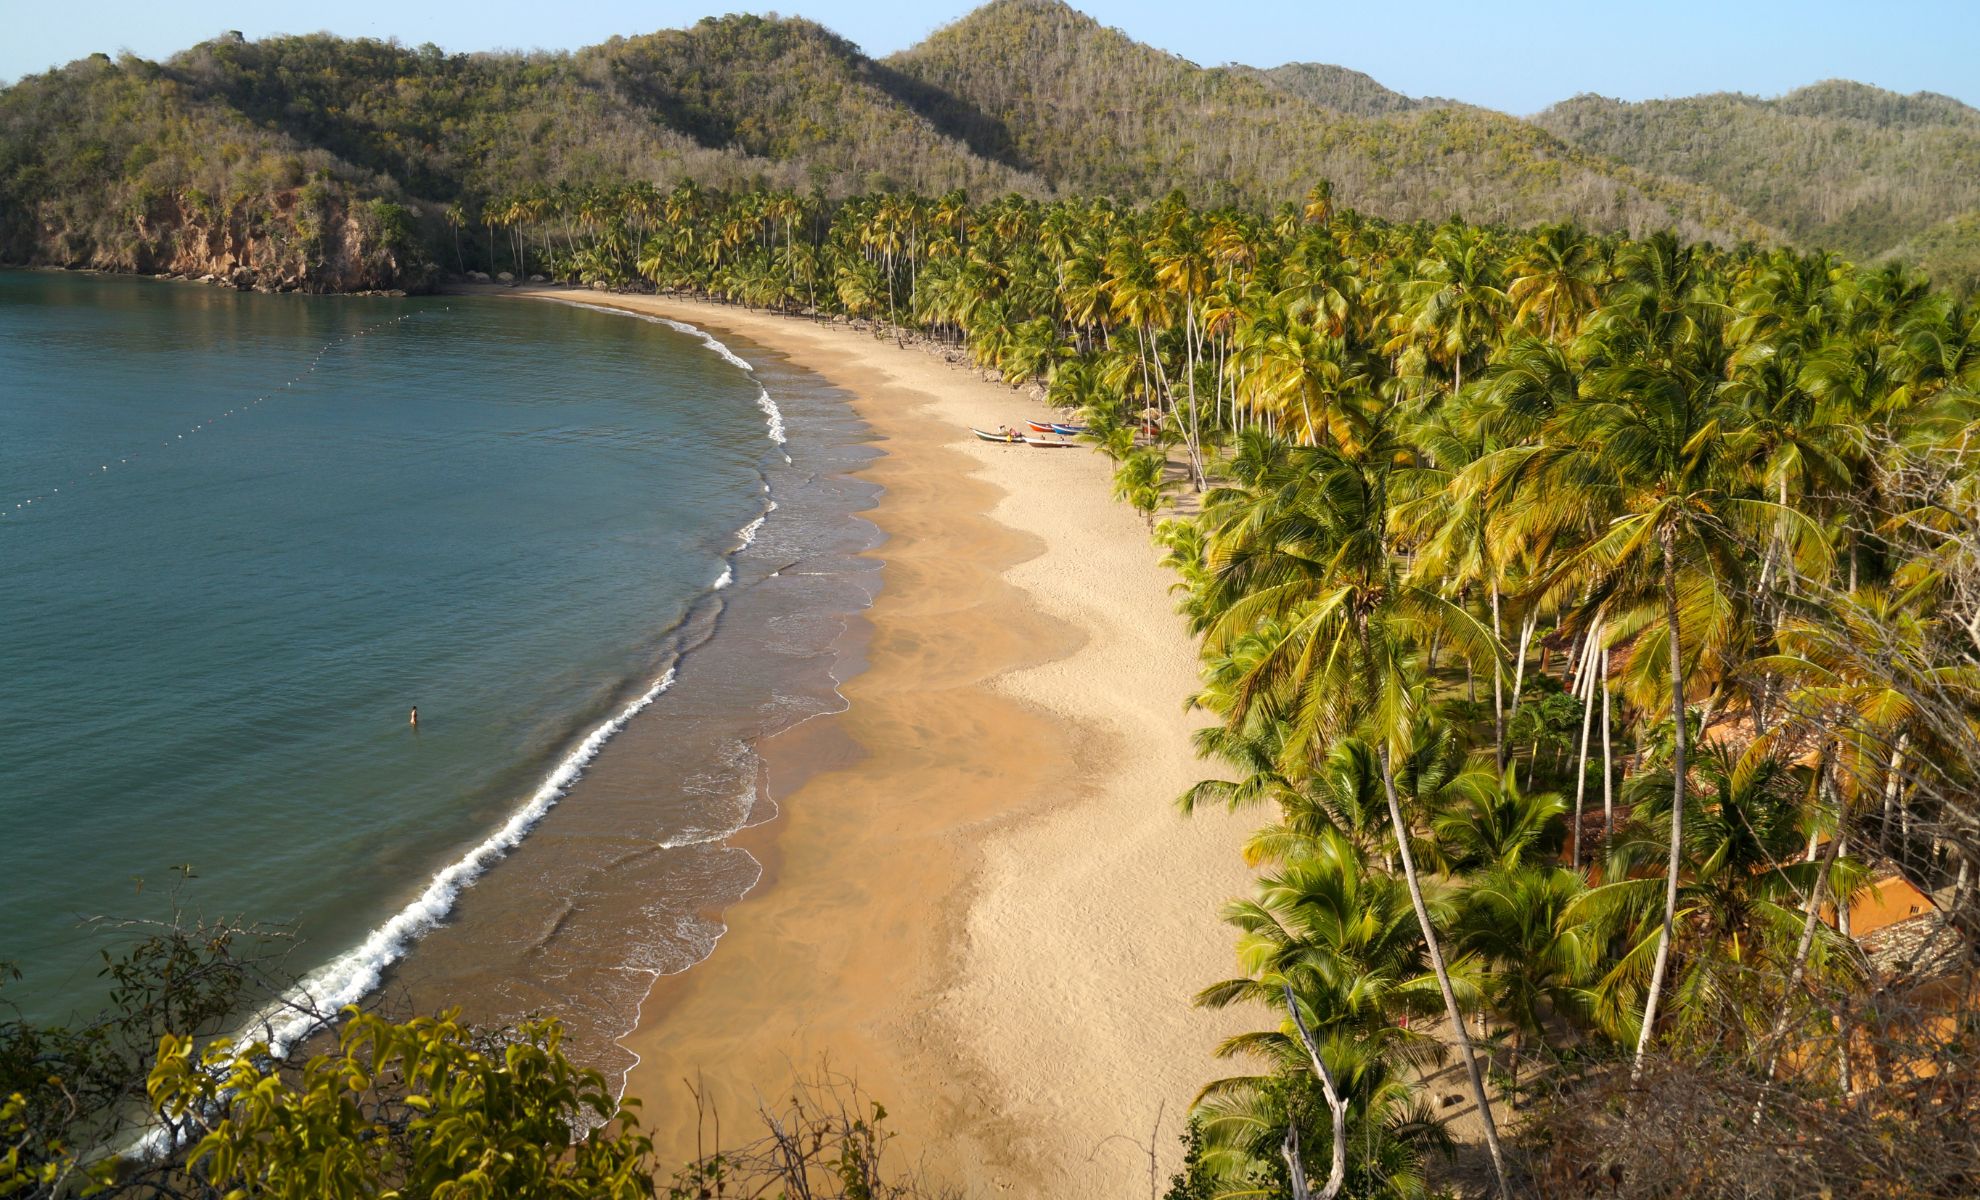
1553 282
1742 889
1492 824
1521 921
1318 562
1140 481
1337 950
1455 307
1647 446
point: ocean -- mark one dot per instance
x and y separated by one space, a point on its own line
242 536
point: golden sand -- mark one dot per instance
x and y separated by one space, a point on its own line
979 899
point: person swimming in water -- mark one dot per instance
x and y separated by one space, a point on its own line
414 721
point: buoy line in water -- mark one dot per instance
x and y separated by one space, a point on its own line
112 462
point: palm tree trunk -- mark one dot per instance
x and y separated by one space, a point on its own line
1498 688
1526 628
1893 786
1608 769
1336 1104
1584 684
1458 1031
1669 538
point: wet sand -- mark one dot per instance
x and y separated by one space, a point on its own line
978 898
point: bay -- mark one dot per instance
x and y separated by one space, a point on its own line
254 531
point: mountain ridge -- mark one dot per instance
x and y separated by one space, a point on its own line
1342 88
1836 163
1159 121
1024 96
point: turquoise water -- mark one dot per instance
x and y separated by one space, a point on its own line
215 612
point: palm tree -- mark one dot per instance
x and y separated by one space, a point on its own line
1647 445
1554 282
1493 825
457 216
1520 919
1337 949
1183 267
1741 891
1318 561
1140 481
1455 305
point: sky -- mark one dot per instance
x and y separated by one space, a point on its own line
1515 55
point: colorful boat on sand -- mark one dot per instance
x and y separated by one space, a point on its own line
1013 438
1055 427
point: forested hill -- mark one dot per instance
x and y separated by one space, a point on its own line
1338 88
1051 90
1837 164
308 161
317 162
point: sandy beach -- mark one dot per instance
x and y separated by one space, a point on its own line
978 899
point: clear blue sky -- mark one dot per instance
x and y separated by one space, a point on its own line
1513 55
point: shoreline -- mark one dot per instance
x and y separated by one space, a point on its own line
976 896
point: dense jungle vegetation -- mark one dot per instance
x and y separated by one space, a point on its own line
1592 623
201 164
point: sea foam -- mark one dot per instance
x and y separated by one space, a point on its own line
772 415
349 977
709 340
352 975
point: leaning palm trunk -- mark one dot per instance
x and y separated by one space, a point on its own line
1498 689
1458 1031
1336 1104
1526 629
1669 539
1608 761
1584 686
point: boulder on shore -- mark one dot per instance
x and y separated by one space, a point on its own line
504 277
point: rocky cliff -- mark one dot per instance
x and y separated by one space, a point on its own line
285 242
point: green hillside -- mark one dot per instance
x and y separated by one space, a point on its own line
123 166
1837 164
1949 252
1340 89
130 165
1095 111
794 92
321 162
444 127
